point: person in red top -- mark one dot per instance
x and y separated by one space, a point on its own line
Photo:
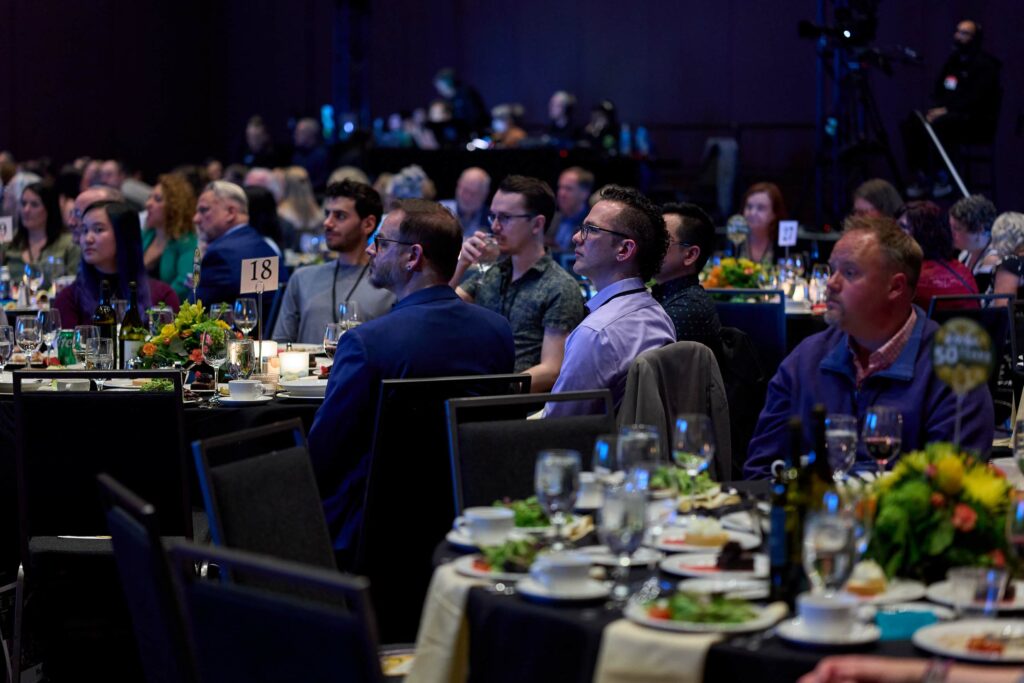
941 272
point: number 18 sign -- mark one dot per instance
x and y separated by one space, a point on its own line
259 275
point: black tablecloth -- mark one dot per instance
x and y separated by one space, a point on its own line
200 423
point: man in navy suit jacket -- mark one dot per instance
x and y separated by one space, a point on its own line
429 332
222 216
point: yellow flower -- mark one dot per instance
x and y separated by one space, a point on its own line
223 325
984 487
168 330
949 474
916 461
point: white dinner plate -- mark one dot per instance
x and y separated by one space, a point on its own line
673 540
587 590
897 590
292 397
460 539
742 521
764 618
740 589
306 386
231 401
464 566
599 554
121 383
950 639
795 631
942 593
697 565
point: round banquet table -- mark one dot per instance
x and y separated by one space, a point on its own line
200 423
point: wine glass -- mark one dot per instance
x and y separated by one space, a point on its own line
332 333
489 255
241 358
883 434
158 317
620 526
828 549
349 315
693 448
222 311
556 481
100 353
605 455
245 314
641 457
6 345
28 336
215 354
841 435
83 333
49 327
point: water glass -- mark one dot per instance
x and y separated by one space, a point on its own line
883 434
332 335
215 354
222 311
83 333
246 315
637 444
605 461
49 327
158 317
6 345
28 335
489 255
241 358
349 315
693 447
101 354
828 550
621 523
977 591
640 457
841 435
556 482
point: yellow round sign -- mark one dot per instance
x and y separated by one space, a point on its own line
962 354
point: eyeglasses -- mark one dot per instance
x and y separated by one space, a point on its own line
378 240
504 218
586 229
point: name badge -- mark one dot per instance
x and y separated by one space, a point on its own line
259 275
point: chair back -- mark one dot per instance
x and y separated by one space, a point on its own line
998 321
266 503
494 458
407 491
256 622
146 581
763 319
65 439
746 387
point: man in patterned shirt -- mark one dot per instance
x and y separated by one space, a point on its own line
541 301
691 239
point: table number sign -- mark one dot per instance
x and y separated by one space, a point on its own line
788 233
259 275
962 356
6 229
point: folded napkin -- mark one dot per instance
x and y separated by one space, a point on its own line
442 644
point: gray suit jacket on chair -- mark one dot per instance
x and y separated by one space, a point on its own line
675 379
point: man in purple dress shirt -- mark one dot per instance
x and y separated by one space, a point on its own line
619 246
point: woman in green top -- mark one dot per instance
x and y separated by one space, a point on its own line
41 234
169 240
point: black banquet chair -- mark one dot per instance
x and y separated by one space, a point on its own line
493 456
763 319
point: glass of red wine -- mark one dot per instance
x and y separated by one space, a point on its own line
332 334
882 434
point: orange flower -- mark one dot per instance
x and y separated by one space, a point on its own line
148 349
998 558
964 518
196 356
186 333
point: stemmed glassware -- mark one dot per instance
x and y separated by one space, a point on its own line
641 457
241 358
605 464
332 334
621 525
841 435
556 482
222 311
158 317
100 353
693 448
828 549
215 354
6 345
49 327
883 434
245 314
349 315
83 333
28 336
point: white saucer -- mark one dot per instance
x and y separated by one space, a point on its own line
588 590
460 539
942 593
293 397
599 554
794 631
230 401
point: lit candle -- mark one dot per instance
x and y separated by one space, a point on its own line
265 349
294 364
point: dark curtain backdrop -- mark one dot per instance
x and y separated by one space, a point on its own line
161 83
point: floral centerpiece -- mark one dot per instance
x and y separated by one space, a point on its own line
179 342
736 273
939 508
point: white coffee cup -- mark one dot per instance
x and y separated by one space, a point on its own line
245 389
561 571
487 525
830 616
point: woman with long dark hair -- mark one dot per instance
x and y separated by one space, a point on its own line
41 234
169 238
111 241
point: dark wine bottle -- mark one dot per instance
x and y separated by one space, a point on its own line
133 334
104 318
821 481
789 507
